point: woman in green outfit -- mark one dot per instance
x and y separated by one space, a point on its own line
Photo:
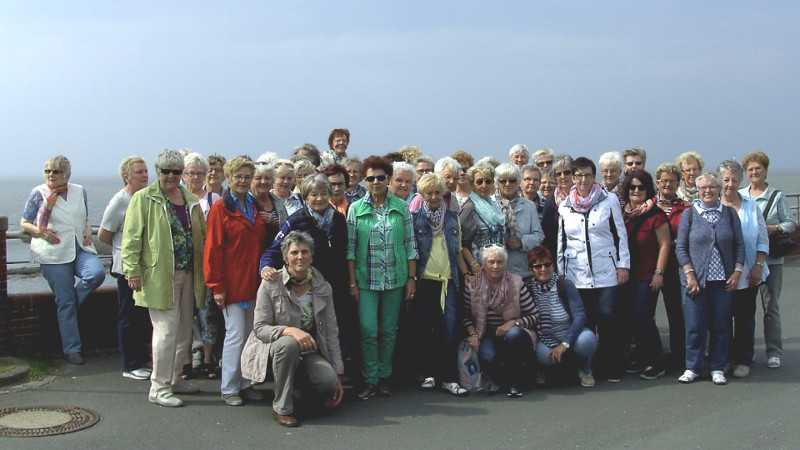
381 261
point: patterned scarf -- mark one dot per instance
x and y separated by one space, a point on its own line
667 204
324 220
50 199
543 293
687 193
488 210
583 204
630 213
710 213
487 296
302 282
507 207
435 217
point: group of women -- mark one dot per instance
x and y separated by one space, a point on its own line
543 262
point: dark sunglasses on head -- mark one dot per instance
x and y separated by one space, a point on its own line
541 266
373 178
171 171
637 188
53 171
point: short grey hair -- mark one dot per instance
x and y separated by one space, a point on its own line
530 168
263 168
507 170
732 166
350 160
562 162
60 162
126 166
447 163
303 165
169 159
518 148
610 158
402 166
195 159
424 158
319 182
488 161
685 157
268 157
494 249
297 238
542 152
635 151
283 165
709 176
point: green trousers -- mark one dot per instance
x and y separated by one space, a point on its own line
377 351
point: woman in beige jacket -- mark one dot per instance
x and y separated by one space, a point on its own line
295 328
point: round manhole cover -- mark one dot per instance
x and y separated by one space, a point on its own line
38 421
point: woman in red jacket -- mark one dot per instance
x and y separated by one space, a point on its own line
234 241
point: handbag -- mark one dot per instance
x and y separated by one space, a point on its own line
780 244
469 369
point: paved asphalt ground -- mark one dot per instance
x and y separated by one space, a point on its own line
758 412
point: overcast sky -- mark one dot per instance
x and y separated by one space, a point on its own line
97 81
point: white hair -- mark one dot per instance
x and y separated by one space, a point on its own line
195 159
518 148
268 157
507 170
542 152
709 176
424 158
493 249
488 161
402 166
169 159
447 163
610 158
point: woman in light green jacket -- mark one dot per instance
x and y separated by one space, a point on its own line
162 258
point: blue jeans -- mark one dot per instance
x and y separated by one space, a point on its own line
710 309
601 314
134 329
69 295
643 311
584 349
502 357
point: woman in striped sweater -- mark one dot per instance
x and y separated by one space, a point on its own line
498 317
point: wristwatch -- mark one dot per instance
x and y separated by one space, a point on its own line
566 345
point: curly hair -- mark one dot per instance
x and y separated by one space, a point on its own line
376 162
644 177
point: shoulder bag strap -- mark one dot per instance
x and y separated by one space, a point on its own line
769 203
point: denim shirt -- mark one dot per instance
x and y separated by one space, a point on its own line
424 237
754 233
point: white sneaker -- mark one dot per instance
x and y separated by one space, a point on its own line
428 383
137 374
688 377
718 377
166 398
774 362
587 380
741 371
455 389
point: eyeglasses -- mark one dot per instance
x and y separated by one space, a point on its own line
374 178
507 181
541 266
482 181
196 174
177 172
582 176
53 172
241 178
637 188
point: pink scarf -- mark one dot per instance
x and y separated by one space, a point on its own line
582 204
498 297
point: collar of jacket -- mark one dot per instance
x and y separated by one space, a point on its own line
154 193
392 203
317 280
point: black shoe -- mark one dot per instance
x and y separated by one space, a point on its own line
73 358
514 392
383 389
369 391
634 367
188 372
652 373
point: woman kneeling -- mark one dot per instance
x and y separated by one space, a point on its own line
560 318
295 328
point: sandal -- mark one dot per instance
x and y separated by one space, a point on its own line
209 370
455 389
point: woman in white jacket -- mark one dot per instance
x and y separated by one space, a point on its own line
593 254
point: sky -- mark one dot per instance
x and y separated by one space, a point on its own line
98 81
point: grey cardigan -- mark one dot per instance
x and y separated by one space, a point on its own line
696 238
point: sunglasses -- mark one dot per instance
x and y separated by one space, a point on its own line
482 181
374 178
541 266
637 188
53 172
507 181
171 171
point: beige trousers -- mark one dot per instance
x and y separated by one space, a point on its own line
172 335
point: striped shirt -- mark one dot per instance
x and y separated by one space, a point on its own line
493 319
552 319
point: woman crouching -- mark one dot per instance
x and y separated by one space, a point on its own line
295 328
498 316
